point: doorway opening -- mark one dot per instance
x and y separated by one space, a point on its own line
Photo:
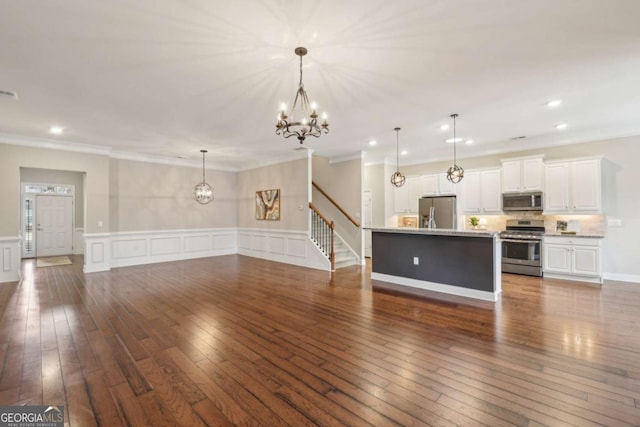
47 219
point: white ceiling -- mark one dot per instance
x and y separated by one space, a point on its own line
167 78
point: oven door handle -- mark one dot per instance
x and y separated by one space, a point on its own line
521 241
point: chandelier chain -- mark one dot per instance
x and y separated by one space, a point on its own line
300 83
203 152
397 149
454 138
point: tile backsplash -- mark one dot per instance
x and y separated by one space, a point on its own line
589 224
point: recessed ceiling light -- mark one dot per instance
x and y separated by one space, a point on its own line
404 152
56 130
444 127
372 142
469 141
561 126
554 103
451 140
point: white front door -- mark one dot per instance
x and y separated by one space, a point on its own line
54 225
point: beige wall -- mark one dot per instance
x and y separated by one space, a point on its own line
374 180
343 183
148 196
50 176
292 178
96 167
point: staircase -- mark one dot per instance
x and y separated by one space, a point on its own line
330 243
344 256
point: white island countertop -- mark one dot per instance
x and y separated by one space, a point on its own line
435 231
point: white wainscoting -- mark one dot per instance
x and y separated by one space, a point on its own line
146 247
10 259
97 252
288 246
78 241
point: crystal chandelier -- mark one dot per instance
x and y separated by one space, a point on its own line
455 173
303 118
397 179
203 193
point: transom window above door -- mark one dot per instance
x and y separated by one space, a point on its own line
48 189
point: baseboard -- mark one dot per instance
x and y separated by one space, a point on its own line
574 278
437 287
634 278
10 259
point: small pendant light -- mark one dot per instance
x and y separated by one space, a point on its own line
397 179
203 193
455 173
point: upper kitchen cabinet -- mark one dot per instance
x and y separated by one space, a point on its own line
436 185
446 187
429 185
406 197
522 174
482 192
573 187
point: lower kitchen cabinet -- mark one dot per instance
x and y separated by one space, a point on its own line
573 258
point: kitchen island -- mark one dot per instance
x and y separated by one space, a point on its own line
464 263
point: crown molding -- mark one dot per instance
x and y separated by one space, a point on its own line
346 158
306 154
53 144
149 158
75 147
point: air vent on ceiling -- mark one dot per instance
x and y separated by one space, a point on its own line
9 94
300 148
515 138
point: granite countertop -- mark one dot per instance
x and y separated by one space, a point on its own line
586 235
436 231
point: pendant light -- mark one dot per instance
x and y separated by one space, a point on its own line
203 193
455 173
397 179
302 121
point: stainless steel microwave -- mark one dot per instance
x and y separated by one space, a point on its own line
523 202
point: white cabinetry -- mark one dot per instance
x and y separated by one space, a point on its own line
406 197
573 258
573 187
429 185
481 192
445 186
524 174
436 185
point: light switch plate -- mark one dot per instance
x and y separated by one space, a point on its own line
416 260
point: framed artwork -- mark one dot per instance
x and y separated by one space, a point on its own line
268 205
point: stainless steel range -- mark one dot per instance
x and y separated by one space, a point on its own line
522 247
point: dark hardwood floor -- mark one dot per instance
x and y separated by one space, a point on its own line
239 341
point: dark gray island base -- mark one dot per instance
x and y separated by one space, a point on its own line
464 263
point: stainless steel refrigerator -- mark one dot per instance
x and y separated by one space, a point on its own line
437 212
